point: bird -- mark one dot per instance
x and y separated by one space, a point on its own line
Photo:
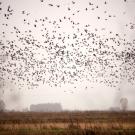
9 9
58 6
73 2
54 60
51 5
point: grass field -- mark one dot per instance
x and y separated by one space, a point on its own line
67 123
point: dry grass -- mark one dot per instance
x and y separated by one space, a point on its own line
67 123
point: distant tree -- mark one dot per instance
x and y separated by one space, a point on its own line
2 106
124 104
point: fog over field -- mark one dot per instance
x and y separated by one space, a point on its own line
79 53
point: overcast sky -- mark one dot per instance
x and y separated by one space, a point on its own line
46 23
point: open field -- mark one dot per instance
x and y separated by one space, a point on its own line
67 123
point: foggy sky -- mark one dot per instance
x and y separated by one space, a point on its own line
82 95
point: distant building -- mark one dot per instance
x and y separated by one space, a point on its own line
48 107
25 109
115 109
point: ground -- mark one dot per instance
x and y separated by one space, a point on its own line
68 123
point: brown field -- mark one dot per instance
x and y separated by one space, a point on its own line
67 123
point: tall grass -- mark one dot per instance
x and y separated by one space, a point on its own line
67 123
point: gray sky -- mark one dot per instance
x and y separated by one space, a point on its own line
90 91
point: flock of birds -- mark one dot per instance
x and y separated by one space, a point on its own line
61 57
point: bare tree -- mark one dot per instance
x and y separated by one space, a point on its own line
124 104
2 106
